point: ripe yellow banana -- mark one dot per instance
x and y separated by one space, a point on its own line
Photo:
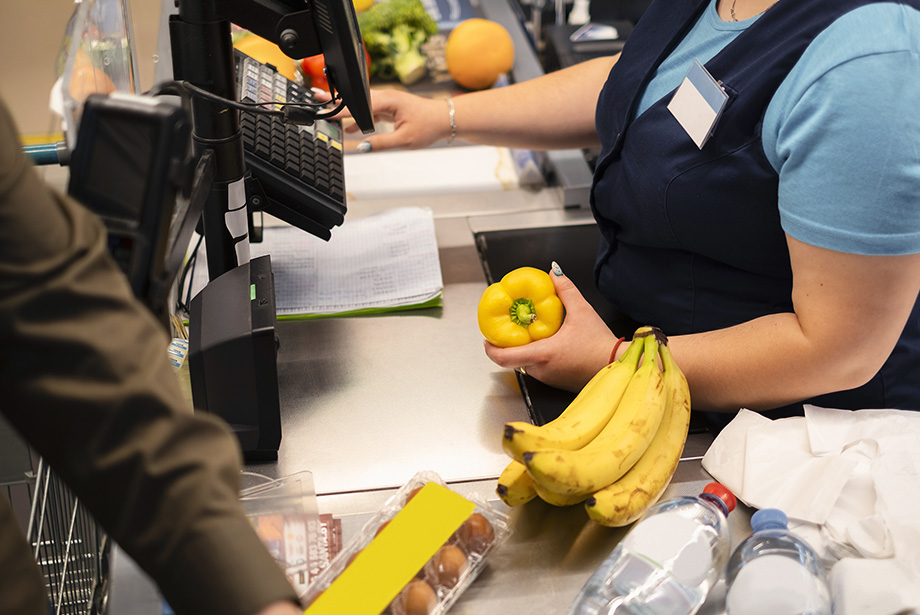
584 417
619 445
627 499
515 485
558 500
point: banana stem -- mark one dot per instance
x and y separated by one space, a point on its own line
660 336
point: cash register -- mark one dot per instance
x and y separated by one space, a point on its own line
243 140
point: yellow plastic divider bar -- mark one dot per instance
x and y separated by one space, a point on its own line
40 139
396 554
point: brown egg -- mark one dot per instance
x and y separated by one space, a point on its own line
447 566
476 534
416 598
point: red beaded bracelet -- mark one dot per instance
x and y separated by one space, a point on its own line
613 354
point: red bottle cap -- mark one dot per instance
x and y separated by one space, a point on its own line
720 491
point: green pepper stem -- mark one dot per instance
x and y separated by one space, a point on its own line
523 312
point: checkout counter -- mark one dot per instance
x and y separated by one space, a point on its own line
369 401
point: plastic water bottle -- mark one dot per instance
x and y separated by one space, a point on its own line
667 562
773 572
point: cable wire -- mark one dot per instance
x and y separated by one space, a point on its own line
287 113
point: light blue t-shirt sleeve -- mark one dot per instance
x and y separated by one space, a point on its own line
843 132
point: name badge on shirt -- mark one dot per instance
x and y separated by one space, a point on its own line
698 103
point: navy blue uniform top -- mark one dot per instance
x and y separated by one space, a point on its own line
692 238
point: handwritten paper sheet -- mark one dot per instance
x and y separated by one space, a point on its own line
383 262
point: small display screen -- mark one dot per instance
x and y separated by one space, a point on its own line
118 167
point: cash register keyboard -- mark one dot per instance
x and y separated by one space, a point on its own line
299 167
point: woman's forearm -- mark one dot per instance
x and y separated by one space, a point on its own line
761 364
554 111
849 313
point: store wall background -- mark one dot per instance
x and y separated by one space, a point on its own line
30 38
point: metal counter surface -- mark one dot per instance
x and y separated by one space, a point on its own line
367 402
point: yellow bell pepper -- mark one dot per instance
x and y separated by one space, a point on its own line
521 308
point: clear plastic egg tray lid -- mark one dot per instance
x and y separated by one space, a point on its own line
415 556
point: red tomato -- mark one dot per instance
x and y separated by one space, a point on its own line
312 68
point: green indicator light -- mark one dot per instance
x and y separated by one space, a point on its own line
252 292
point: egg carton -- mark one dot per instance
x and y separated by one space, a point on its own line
447 573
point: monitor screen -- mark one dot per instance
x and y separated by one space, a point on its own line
115 179
343 49
126 168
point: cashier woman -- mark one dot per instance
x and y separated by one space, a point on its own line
757 194
85 379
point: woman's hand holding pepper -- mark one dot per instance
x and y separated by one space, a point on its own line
576 352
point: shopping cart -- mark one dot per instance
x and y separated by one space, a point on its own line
70 548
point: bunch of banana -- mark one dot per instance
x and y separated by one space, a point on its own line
615 447
628 498
585 417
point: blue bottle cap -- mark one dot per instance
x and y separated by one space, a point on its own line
769 519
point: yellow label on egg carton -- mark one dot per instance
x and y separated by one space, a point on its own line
380 570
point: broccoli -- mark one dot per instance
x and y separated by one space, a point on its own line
393 33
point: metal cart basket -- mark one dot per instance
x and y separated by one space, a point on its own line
69 546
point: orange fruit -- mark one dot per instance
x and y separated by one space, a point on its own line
477 52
